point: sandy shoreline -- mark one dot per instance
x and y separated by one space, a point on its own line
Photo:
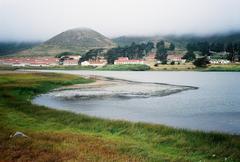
106 87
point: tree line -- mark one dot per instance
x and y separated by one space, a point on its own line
91 54
162 50
207 49
13 47
134 51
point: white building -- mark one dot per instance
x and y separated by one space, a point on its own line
219 61
175 58
94 63
70 62
85 63
125 60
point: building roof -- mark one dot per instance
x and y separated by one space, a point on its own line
174 56
122 58
32 60
125 59
71 61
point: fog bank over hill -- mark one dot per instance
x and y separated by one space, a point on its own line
70 40
181 40
40 20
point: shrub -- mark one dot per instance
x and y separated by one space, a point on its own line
201 62
172 63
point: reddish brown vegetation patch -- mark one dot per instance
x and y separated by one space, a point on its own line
53 147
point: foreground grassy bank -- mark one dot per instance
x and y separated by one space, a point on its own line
65 136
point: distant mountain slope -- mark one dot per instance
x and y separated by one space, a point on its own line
7 48
77 40
216 38
82 37
180 41
127 40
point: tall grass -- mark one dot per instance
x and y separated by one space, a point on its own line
231 68
61 135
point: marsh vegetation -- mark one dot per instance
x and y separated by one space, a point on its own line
61 136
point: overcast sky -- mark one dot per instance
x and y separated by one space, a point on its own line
42 19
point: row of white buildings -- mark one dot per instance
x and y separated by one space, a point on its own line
73 60
219 61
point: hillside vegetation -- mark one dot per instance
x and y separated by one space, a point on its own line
128 40
180 41
7 48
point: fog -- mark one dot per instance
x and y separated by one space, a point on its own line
25 20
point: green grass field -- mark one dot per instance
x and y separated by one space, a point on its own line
64 136
230 67
191 67
181 67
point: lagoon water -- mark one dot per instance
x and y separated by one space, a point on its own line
215 106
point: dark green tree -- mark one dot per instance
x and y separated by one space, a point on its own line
172 47
229 47
189 56
112 55
134 51
203 47
217 47
65 54
191 47
201 62
91 54
149 47
161 52
233 50
160 45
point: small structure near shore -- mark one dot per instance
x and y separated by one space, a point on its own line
219 61
125 60
175 59
150 57
69 60
95 63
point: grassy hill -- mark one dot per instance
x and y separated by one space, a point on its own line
77 40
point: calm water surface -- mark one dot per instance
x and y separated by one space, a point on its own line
215 106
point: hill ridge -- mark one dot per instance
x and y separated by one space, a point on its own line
76 40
